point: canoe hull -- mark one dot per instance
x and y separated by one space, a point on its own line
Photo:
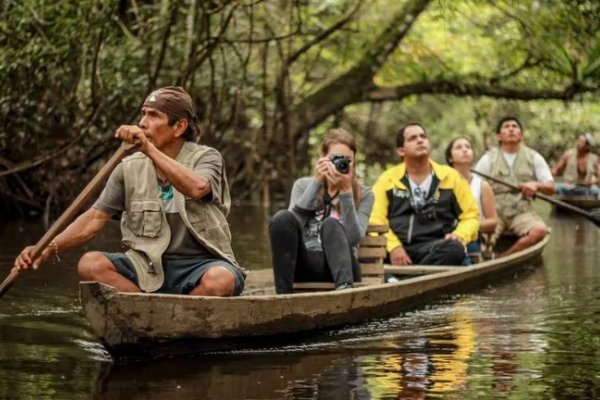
155 325
584 202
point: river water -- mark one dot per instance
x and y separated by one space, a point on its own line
534 336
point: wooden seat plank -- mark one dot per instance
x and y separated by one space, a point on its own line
371 252
371 269
373 241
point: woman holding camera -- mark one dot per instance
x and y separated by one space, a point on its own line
316 239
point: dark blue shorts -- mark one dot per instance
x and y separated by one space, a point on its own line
181 275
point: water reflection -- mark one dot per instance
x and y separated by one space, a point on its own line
535 336
434 362
323 376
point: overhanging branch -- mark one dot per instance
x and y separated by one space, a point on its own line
324 34
457 88
352 85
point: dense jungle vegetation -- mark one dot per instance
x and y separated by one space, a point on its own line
270 76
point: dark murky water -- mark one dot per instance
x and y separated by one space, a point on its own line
534 337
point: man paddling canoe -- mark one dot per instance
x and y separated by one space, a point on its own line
174 199
516 163
580 169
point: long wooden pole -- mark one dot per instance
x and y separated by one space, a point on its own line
71 212
570 207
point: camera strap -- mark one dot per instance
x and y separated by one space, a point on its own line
433 187
327 199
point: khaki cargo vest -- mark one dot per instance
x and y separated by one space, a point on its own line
571 175
508 202
144 225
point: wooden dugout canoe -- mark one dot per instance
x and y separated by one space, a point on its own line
158 325
584 202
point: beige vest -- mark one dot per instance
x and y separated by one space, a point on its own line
508 202
571 175
144 224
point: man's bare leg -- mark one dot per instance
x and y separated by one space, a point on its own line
534 236
217 281
95 266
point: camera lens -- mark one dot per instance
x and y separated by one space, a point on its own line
341 163
343 166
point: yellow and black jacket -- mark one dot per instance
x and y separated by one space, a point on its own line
454 207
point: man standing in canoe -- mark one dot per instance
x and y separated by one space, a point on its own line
428 206
519 165
580 169
174 198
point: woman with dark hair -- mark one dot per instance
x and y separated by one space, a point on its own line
316 238
459 154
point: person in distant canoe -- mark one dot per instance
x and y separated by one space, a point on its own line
459 155
173 198
516 163
579 168
428 206
316 238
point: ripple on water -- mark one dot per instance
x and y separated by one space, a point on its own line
96 350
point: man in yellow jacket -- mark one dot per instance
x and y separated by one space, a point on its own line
429 207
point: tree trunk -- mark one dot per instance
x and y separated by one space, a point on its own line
349 88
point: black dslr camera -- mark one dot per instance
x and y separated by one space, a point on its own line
341 162
425 210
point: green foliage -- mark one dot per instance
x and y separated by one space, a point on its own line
549 127
71 72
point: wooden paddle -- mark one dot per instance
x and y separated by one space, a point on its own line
562 204
70 213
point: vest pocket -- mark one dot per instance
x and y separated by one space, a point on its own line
145 218
218 235
208 223
210 229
